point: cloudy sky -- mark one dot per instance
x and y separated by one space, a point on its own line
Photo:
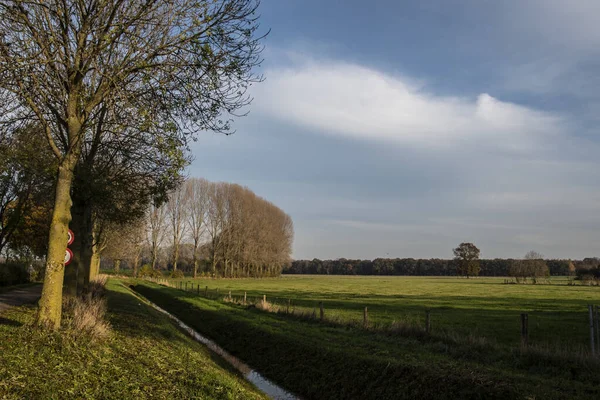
400 128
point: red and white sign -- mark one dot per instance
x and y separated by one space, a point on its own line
68 257
71 238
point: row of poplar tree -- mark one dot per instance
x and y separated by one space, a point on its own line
221 229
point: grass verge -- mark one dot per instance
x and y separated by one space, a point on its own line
320 361
145 357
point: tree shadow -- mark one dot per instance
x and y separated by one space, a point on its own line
132 317
9 322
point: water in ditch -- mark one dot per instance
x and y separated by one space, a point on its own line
263 384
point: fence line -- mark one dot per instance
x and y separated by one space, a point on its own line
288 308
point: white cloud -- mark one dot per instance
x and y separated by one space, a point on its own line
355 101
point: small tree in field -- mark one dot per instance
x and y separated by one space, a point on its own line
467 256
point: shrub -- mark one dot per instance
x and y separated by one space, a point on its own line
589 280
85 317
148 272
96 288
14 273
177 274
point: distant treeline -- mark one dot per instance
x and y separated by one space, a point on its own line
416 267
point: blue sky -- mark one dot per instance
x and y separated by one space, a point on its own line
402 128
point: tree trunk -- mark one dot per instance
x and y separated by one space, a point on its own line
94 262
72 270
154 255
214 266
78 273
84 273
175 256
136 261
195 258
96 265
50 310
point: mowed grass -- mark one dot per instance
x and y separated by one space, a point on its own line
483 307
146 357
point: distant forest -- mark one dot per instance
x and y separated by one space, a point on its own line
425 267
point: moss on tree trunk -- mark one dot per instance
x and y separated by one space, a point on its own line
50 311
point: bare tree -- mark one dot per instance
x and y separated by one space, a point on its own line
177 210
180 64
249 236
196 193
531 266
215 219
156 233
125 242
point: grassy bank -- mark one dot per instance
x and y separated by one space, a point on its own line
320 361
144 357
481 307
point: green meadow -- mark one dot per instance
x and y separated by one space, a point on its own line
331 360
485 307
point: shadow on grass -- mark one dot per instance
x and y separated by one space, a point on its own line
9 322
309 357
130 316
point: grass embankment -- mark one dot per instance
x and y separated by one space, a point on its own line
146 356
483 307
320 361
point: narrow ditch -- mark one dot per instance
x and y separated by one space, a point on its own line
263 384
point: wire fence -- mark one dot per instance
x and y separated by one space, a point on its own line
318 313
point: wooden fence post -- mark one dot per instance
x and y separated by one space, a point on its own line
230 295
596 327
264 299
524 330
591 311
198 290
321 311
428 321
366 318
244 297
206 292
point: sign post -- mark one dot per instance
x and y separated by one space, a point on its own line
68 257
69 253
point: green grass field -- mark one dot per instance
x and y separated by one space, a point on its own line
331 361
146 357
482 306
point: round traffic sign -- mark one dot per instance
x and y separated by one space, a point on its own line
71 237
68 257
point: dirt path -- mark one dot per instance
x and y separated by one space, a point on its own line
19 297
